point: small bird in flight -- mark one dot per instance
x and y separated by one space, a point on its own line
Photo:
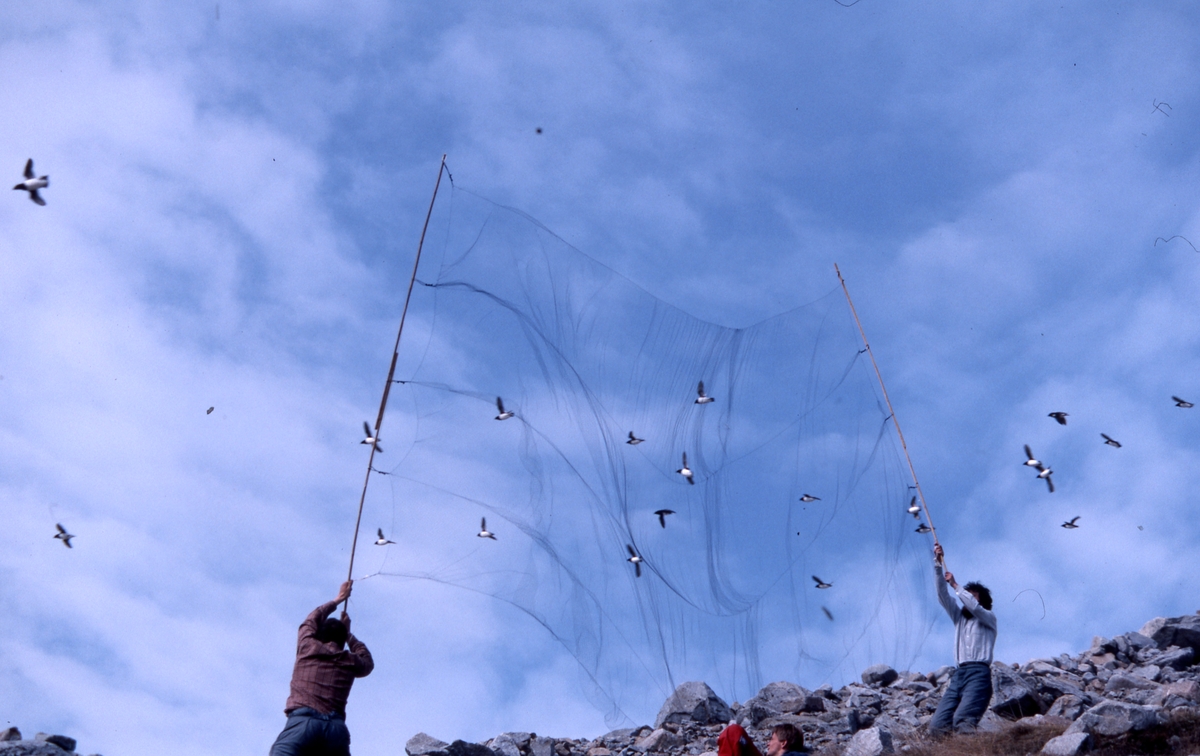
634 440
913 509
1182 403
1031 461
701 397
1070 524
32 184
685 472
662 516
923 528
809 497
372 440
821 583
483 531
1061 417
1110 440
381 541
63 535
209 410
504 415
637 560
827 613
1044 474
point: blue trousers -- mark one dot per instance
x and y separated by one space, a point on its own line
965 700
310 733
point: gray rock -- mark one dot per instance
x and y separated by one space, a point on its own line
619 737
695 702
1115 718
773 700
1174 631
12 733
425 745
462 748
1138 641
62 741
506 745
29 748
1149 671
659 740
879 674
872 741
1067 745
1068 706
1174 658
1188 689
541 746
1012 696
941 675
1122 681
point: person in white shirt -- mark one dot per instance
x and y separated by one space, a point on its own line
970 690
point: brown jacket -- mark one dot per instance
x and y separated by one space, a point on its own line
324 672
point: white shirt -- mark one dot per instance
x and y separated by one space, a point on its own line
974 638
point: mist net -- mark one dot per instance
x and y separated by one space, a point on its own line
583 357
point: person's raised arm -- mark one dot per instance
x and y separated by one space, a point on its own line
973 606
940 579
312 622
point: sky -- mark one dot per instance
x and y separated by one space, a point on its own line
236 195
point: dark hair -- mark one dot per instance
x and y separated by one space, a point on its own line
332 631
792 738
985 596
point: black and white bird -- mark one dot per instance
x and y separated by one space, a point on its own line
828 613
637 560
504 414
372 440
483 531
913 509
821 583
701 397
32 183
1061 417
923 528
381 541
634 440
685 472
1070 524
809 497
1110 440
1045 473
63 535
1030 459
662 516
1182 403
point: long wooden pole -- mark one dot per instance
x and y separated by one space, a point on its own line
891 410
387 387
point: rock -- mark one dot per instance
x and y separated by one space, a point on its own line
813 705
695 702
1114 718
1188 689
989 722
12 733
659 740
872 741
1138 641
462 748
619 737
773 700
507 745
1067 745
30 748
425 745
880 674
599 751
1148 671
1174 631
1012 697
1174 658
1068 706
1122 681
541 746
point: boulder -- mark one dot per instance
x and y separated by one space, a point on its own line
1174 631
619 736
1012 696
541 746
463 748
12 733
1188 689
1067 745
695 702
880 674
425 745
1114 718
30 748
659 740
773 700
1123 681
509 743
872 741
1174 658
1068 706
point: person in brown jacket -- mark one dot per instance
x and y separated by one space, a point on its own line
325 669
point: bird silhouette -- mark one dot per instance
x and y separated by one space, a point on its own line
372 440
821 583
31 183
1070 524
1061 417
701 397
636 560
504 415
483 531
662 516
381 541
685 472
63 535
634 440
1110 440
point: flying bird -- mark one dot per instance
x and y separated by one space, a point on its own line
63 535
685 472
634 440
1061 417
1070 524
209 410
923 528
1045 474
637 560
372 440
662 516
821 583
1110 440
504 415
809 497
1031 461
827 613
32 184
381 541
483 531
1182 403
913 509
701 397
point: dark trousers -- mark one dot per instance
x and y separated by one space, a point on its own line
965 700
310 733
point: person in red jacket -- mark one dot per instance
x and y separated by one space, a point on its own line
325 669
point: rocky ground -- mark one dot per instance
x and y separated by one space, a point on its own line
1134 683
12 744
